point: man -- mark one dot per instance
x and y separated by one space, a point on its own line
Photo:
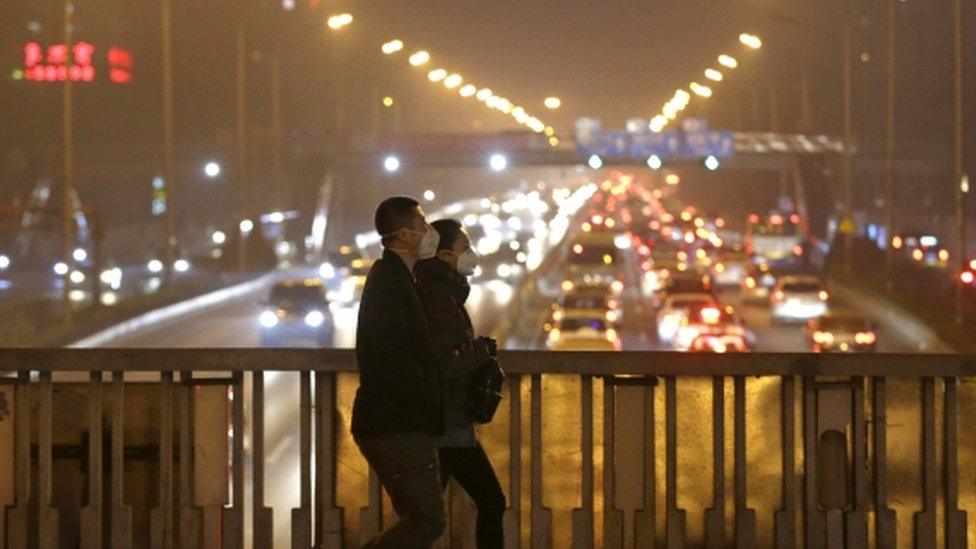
397 412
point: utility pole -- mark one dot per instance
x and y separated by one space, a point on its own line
848 167
958 179
276 129
67 205
169 232
242 180
890 144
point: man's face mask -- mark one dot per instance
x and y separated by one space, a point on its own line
428 243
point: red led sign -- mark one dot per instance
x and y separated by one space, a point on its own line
56 64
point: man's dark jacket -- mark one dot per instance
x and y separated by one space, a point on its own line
399 388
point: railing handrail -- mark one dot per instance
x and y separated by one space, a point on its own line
596 363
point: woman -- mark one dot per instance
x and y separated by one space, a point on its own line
443 287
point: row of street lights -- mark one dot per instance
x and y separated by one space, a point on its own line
682 97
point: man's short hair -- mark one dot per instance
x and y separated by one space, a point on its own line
394 213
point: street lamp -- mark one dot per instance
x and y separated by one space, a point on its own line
498 162
437 75
712 163
654 162
453 81
391 164
595 162
211 169
339 21
419 58
728 61
392 46
713 75
750 41
552 103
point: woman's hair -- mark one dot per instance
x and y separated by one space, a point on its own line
449 231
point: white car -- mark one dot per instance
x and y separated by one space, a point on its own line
578 330
675 311
798 298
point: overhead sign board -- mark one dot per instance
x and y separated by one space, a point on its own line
693 140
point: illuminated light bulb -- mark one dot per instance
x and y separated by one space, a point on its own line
713 75
484 94
553 103
700 90
419 58
728 61
392 46
437 75
750 41
453 81
468 90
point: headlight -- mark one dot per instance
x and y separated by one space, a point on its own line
268 319
4 262
314 318
327 271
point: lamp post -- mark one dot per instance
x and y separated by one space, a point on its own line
169 233
67 205
890 144
961 186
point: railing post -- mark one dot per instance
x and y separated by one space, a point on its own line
91 515
856 518
583 517
541 517
263 518
955 519
513 515
233 517
613 518
675 516
328 519
715 516
47 516
885 520
745 518
162 516
189 513
18 514
301 517
121 514
814 523
785 521
645 520
925 519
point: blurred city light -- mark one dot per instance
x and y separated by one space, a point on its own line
672 179
387 101
552 103
750 40
453 81
429 195
79 254
419 58
4 262
654 162
392 46
713 75
595 162
61 268
468 90
437 75
391 163
728 61
181 265
211 169
700 90
246 226
339 21
484 94
712 163
77 277
218 237
155 266
498 162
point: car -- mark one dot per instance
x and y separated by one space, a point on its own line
798 297
723 324
675 311
758 284
847 333
730 268
595 300
682 282
581 330
594 257
296 309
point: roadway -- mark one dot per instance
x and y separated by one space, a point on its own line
234 324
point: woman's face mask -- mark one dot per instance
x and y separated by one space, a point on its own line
428 243
467 262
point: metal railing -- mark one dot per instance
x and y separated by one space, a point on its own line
817 428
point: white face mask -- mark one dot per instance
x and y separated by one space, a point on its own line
428 244
467 262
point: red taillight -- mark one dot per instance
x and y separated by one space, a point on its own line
778 295
865 338
798 250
